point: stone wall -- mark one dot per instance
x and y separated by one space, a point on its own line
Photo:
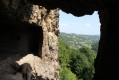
28 35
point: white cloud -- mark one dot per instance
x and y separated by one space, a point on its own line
64 24
88 24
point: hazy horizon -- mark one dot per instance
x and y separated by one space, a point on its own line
85 25
80 34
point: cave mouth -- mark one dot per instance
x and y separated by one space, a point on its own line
20 38
36 38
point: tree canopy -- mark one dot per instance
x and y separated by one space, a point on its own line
76 64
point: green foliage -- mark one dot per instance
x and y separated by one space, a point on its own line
82 63
64 53
76 41
76 64
64 59
95 46
66 74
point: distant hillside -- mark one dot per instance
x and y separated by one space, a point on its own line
78 40
75 64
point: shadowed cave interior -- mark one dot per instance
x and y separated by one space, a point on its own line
20 38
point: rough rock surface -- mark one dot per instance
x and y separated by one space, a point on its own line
11 43
28 28
106 63
34 67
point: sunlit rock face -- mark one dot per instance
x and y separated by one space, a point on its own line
28 35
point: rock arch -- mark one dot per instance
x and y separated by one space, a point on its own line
106 65
106 61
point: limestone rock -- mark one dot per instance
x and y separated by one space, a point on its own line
28 43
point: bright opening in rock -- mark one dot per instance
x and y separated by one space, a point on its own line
87 25
78 42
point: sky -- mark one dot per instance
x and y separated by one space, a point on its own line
88 24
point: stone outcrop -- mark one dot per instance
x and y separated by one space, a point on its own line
28 67
28 38
19 40
106 63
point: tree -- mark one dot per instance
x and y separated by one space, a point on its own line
95 46
64 59
64 53
76 64
82 63
66 74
